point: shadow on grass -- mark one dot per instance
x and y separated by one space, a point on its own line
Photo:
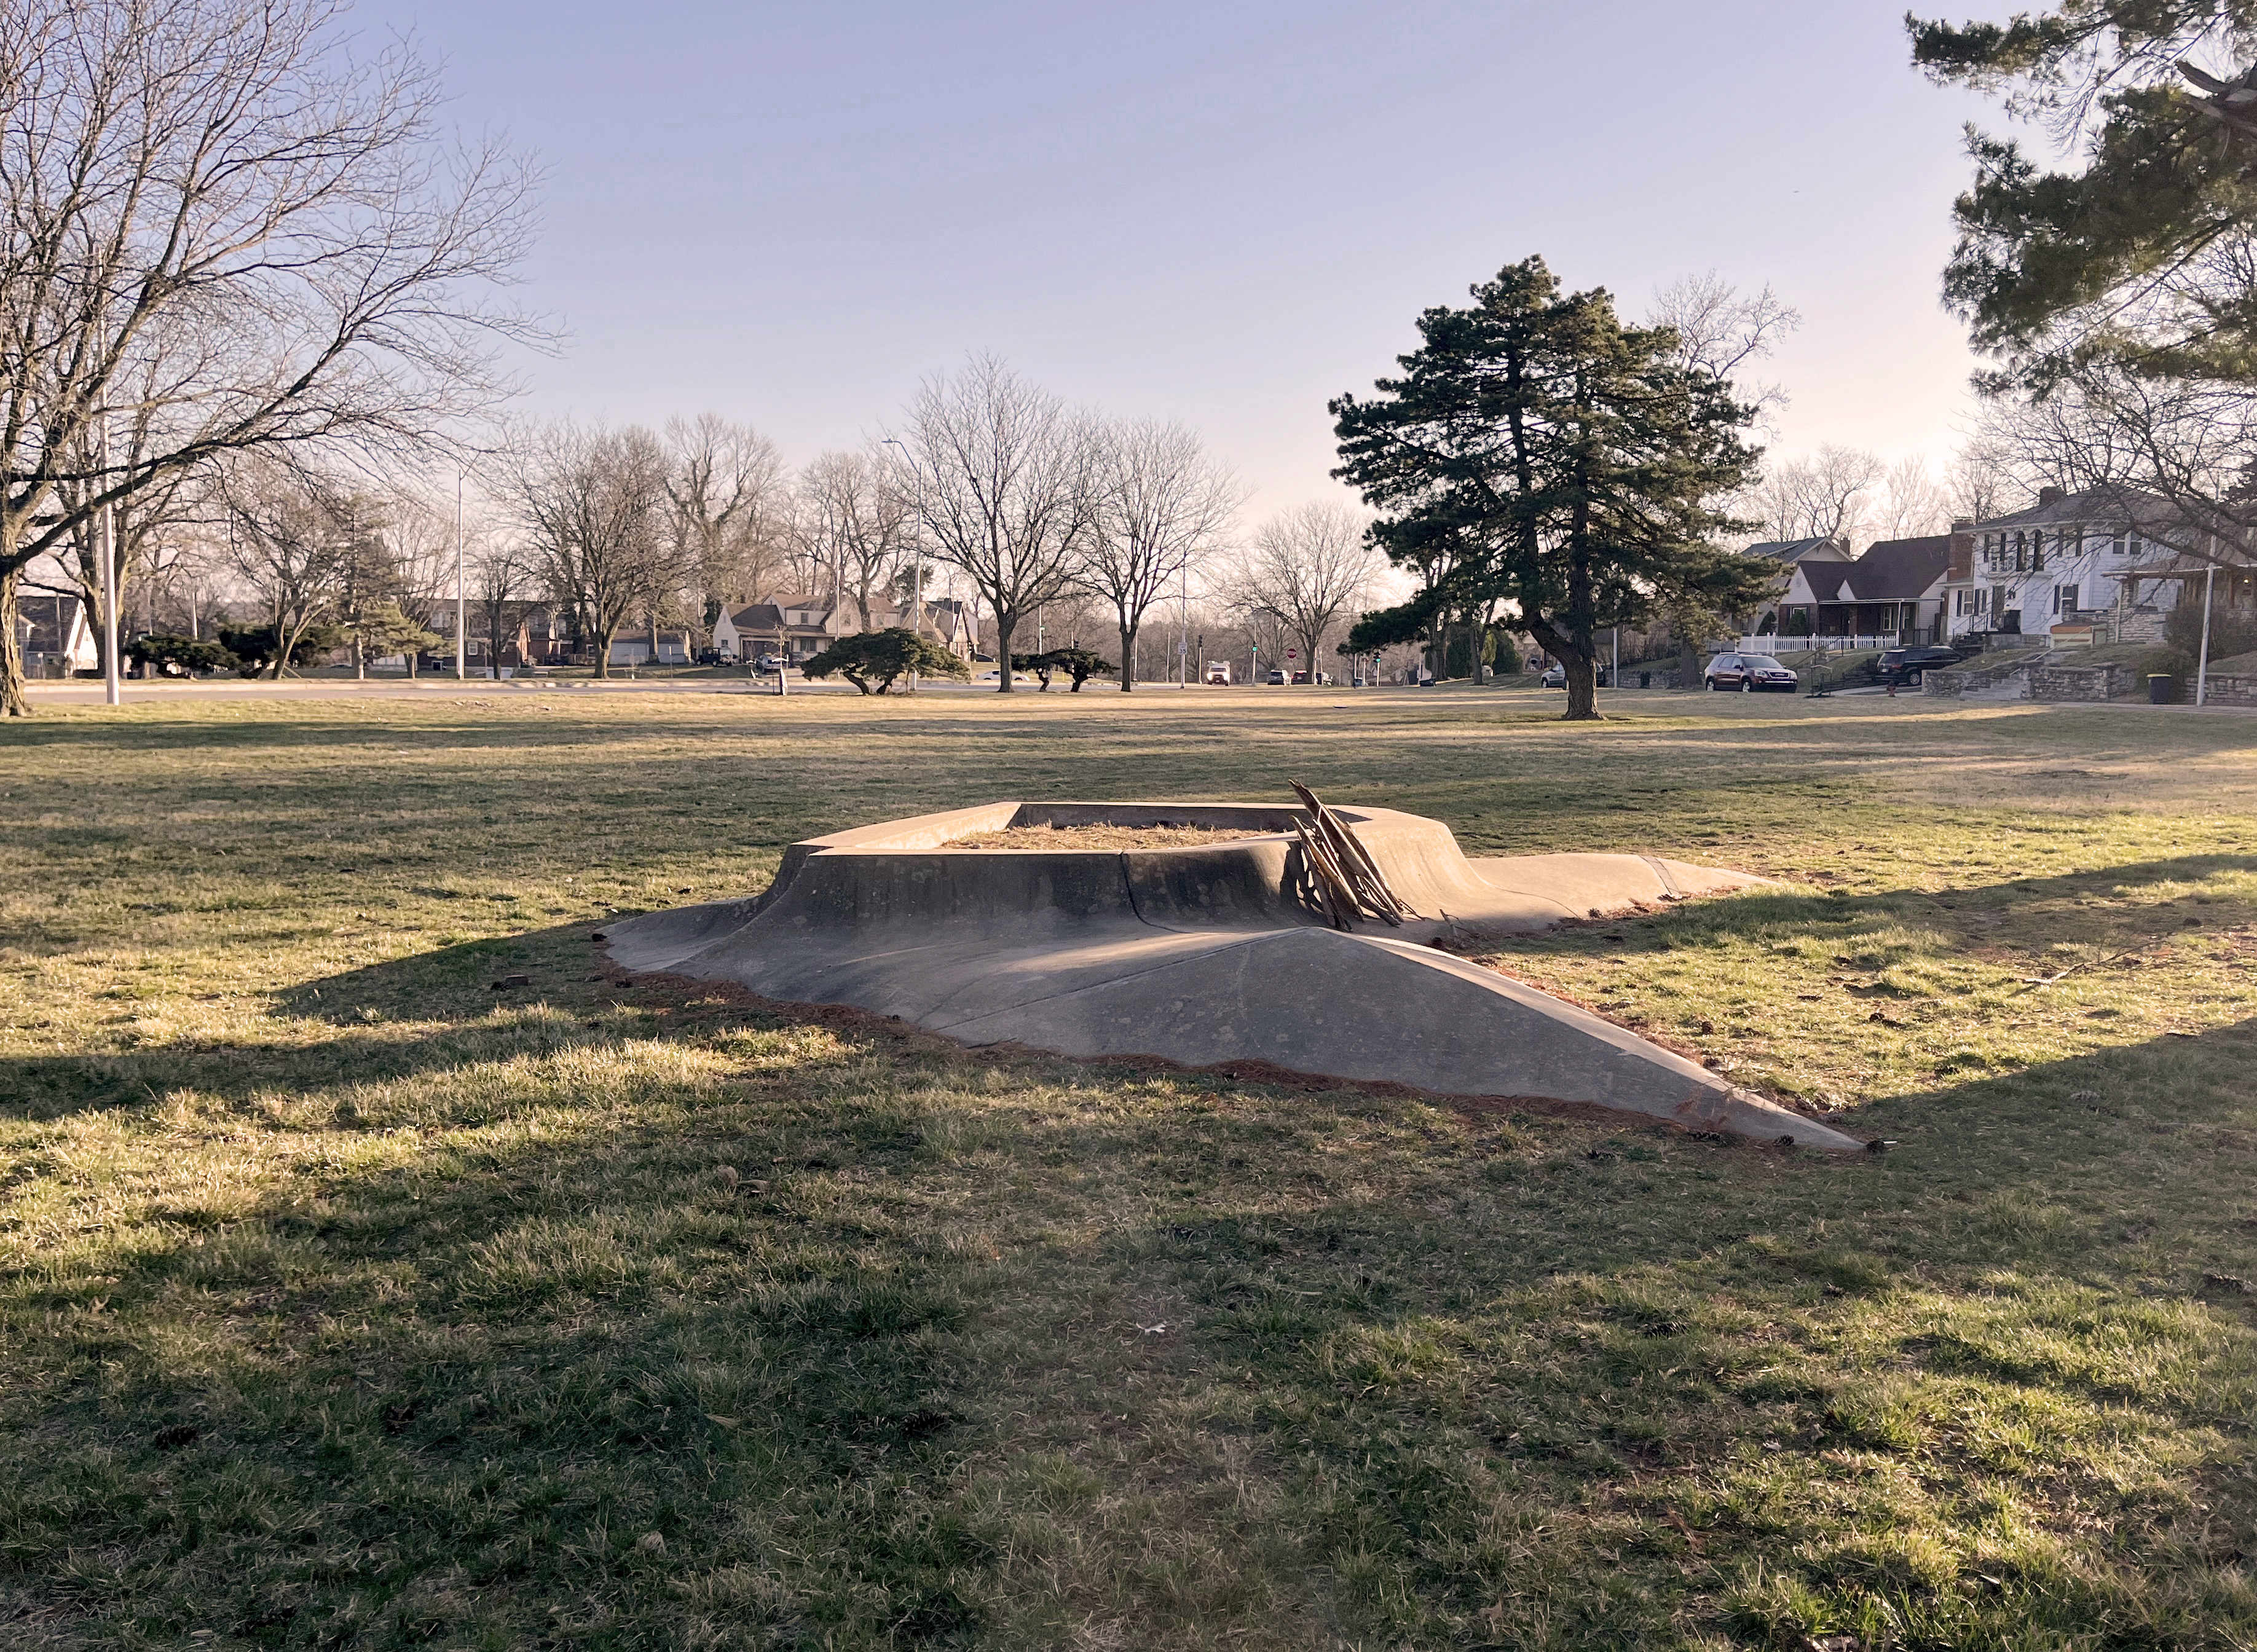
647 1371
460 1390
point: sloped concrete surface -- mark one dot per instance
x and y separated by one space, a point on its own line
1207 953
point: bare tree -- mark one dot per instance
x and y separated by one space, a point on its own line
1825 496
594 507
1163 504
286 537
1306 571
421 535
731 504
1912 503
1002 483
497 581
223 187
851 523
1723 334
145 525
1979 484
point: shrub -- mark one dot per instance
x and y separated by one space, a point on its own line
180 656
875 660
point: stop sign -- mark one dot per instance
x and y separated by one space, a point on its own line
1292 654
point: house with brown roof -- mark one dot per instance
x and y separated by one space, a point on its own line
798 627
533 633
803 626
1892 597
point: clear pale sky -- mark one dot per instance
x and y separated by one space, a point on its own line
1224 213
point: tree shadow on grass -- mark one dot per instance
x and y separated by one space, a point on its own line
646 1369
455 1385
457 1389
2035 1300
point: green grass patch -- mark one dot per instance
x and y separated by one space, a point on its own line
348 1300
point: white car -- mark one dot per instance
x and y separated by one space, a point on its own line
1017 676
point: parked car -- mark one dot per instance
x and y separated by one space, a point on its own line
1277 680
711 657
1555 676
770 662
1906 665
1749 673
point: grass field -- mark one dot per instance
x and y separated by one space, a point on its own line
347 1300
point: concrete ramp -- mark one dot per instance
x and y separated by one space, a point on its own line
1209 953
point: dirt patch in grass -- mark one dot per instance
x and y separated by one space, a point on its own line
1051 839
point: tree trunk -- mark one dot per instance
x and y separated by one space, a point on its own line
604 652
1128 659
15 700
1582 672
1003 630
1689 663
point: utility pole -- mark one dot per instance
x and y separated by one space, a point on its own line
1184 626
2202 666
461 603
113 692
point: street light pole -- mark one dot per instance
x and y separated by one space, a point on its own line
112 690
2202 667
461 603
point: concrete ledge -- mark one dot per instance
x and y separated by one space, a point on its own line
1208 953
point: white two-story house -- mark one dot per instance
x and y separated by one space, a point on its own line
2067 570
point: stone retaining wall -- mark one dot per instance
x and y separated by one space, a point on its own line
1966 679
2103 681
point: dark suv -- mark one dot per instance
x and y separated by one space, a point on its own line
1905 665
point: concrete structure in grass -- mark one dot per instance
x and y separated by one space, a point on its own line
1208 952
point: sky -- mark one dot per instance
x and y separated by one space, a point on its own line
1225 213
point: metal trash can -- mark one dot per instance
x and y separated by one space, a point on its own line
1645 679
2163 688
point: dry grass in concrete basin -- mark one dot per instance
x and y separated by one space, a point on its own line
348 1300
1099 837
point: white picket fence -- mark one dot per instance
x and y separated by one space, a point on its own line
1776 646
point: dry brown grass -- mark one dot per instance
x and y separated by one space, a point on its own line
346 1300
1099 838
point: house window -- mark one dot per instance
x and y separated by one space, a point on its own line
2134 546
2064 599
2116 545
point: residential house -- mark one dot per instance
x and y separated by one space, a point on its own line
1892 597
798 627
533 633
56 636
2073 567
652 645
2222 572
1792 555
803 626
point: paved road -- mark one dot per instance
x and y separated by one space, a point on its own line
137 691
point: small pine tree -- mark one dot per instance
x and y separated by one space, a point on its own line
875 660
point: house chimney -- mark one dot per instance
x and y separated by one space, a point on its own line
1962 551
2050 496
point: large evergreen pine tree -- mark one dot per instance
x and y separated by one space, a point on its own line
1548 455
